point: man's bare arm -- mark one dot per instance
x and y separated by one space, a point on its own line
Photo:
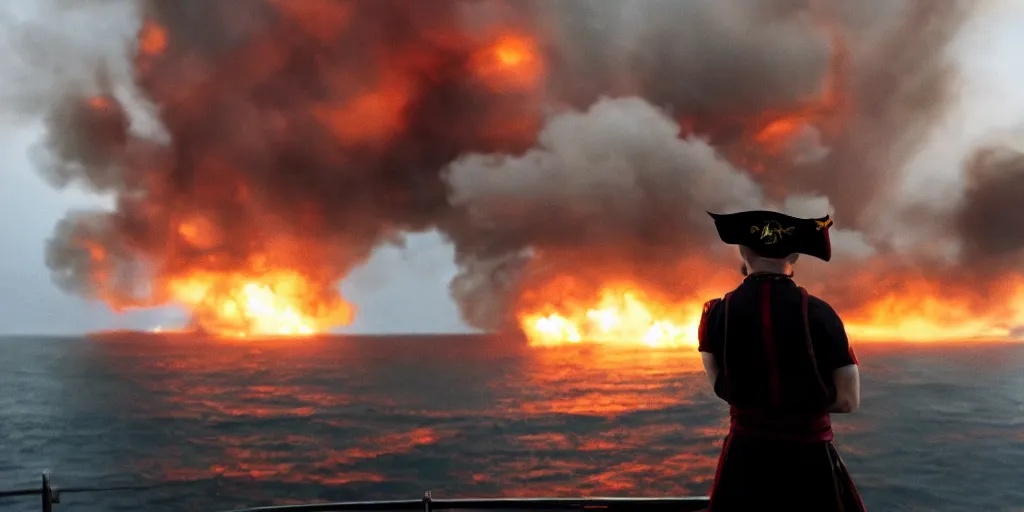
710 367
847 379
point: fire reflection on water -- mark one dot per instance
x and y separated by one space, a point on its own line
499 420
229 424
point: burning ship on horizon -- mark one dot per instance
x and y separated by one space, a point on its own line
567 150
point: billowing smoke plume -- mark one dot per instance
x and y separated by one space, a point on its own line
990 225
558 145
808 107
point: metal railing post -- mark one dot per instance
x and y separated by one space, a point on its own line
47 496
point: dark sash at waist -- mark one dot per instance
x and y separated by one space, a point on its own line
781 426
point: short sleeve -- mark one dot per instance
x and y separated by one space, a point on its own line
709 333
831 346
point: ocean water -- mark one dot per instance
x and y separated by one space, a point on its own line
216 425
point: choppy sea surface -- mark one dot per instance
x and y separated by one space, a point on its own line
218 425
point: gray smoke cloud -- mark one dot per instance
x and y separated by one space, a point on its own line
614 185
612 175
990 225
611 189
305 134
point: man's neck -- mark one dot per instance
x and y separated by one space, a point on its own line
785 270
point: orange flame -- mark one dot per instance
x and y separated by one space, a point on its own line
627 315
512 62
927 312
621 315
275 303
152 39
913 309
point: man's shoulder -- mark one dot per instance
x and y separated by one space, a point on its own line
709 305
818 303
714 305
709 319
820 308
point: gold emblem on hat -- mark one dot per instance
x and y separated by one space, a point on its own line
772 232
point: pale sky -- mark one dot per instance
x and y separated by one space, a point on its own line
406 290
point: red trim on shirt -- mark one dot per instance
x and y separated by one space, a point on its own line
782 427
768 340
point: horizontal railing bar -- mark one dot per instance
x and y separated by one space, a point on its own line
677 504
20 492
691 503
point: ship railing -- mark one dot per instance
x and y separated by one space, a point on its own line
51 495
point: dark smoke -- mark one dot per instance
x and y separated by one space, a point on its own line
310 145
991 221
310 132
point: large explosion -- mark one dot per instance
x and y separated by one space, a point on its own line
261 149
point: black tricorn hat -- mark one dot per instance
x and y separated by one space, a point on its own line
775 235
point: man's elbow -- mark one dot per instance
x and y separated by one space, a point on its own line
847 380
846 405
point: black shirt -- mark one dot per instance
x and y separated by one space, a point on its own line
777 348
